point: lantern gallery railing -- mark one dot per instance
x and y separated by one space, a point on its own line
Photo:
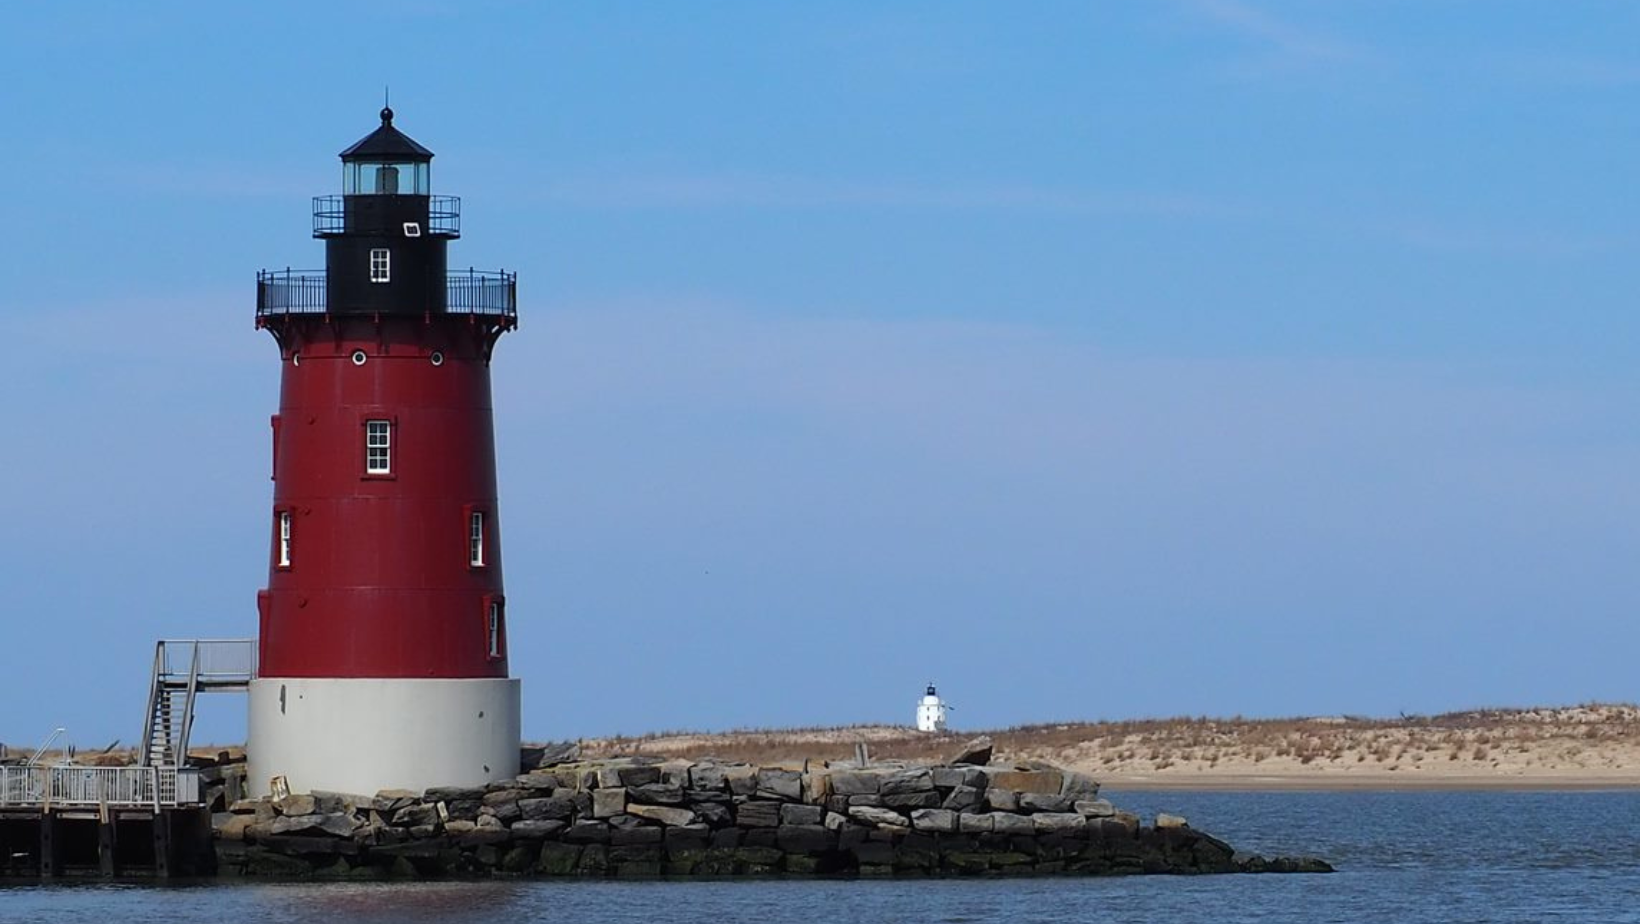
341 214
72 785
475 292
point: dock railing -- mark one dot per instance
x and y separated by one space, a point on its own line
73 786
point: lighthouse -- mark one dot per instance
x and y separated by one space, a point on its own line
383 627
931 711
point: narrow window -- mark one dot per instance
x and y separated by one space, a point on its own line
284 538
380 265
495 628
274 467
475 539
378 447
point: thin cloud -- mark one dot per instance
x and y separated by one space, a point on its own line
1291 43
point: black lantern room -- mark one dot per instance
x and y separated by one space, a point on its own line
386 234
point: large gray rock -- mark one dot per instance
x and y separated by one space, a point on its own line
665 814
937 820
855 783
453 794
688 837
389 801
805 839
335 824
977 751
656 793
780 784
835 821
587 832
416 814
1002 800
963 798
537 830
793 814
607 803
757 814
1059 823
557 752
916 779
503 811
975 823
1042 802
635 837
1095 808
1164 820
632 777
873 815
553 807
949 777
336 803
715 814
1010 823
741 780
708 777
463 809
532 785
905 801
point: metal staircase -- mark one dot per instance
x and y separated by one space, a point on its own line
183 669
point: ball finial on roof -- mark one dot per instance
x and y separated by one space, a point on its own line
387 115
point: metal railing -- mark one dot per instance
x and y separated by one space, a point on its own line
330 216
290 292
69 785
215 661
473 292
480 292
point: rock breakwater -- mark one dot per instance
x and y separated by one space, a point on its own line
640 817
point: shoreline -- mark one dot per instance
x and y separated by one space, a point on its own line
1365 782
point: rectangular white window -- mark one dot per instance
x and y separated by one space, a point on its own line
378 447
381 265
475 539
284 538
495 628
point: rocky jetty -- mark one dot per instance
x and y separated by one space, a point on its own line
649 818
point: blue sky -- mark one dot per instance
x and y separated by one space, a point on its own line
1090 359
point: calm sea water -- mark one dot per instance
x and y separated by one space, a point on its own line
1403 857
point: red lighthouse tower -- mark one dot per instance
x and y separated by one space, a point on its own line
383 629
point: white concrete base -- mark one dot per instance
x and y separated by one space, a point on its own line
361 736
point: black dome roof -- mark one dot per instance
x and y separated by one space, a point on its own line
387 143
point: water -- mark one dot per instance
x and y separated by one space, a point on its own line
1403 857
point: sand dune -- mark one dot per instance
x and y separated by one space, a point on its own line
1574 747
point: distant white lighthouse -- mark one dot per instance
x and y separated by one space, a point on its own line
931 712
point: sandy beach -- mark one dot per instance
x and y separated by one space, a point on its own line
1592 746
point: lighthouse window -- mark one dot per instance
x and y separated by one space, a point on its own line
378 447
380 265
475 539
495 629
284 538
